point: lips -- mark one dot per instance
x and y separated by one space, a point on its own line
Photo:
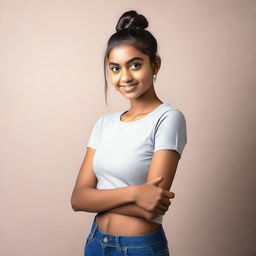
130 88
128 85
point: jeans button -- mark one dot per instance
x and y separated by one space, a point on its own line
106 239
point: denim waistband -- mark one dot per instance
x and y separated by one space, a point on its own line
126 241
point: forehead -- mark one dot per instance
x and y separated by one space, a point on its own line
124 52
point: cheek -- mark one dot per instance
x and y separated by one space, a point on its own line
113 79
144 77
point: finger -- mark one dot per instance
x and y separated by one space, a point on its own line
156 180
162 212
165 201
158 211
168 194
162 207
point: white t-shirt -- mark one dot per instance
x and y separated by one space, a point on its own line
124 149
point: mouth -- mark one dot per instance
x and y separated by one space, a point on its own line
128 86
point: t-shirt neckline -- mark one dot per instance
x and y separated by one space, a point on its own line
141 119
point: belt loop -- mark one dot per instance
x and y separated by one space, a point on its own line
93 229
119 247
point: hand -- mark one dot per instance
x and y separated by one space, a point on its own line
154 199
151 215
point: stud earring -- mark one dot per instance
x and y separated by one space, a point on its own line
154 77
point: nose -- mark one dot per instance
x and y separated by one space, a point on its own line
125 77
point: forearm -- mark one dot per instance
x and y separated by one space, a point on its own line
98 200
130 209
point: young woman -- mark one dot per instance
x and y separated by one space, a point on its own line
132 155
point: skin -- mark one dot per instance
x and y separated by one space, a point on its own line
137 204
143 99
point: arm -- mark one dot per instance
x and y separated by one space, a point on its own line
86 197
84 193
131 209
170 139
164 163
97 200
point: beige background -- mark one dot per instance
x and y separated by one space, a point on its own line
52 92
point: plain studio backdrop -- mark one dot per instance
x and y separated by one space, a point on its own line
52 92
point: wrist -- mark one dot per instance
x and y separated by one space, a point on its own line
134 192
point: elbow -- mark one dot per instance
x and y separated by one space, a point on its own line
74 201
80 202
75 209
73 204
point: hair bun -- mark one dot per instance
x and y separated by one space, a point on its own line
131 19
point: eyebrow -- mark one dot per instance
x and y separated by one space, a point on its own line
129 61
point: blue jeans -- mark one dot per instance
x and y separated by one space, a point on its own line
99 243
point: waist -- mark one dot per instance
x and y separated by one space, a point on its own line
123 225
127 241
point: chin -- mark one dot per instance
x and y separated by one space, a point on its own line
132 97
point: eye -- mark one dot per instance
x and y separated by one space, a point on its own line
136 64
112 68
115 69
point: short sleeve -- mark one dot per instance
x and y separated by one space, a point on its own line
171 132
95 135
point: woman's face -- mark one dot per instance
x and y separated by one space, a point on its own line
130 71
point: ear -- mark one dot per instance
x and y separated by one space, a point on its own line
157 64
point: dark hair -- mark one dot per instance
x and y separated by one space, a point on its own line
130 29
